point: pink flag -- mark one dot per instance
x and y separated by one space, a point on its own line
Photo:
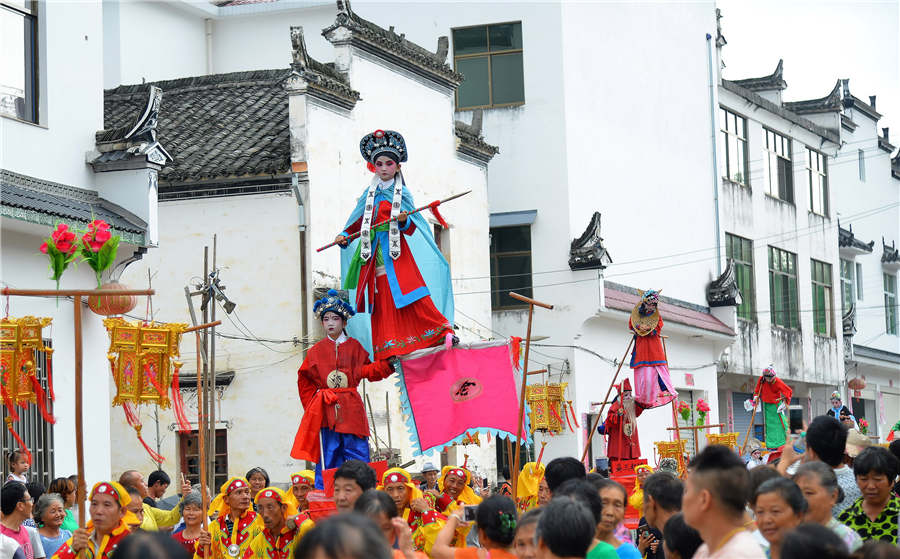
447 392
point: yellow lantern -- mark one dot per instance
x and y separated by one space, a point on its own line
546 401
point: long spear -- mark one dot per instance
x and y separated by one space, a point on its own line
417 210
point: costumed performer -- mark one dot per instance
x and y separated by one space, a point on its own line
837 405
528 488
334 419
283 527
652 381
755 459
775 396
235 524
456 493
621 425
636 500
107 527
396 269
419 513
302 483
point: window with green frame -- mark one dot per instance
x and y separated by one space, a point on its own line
510 265
740 250
783 300
490 58
847 284
890 304
820 273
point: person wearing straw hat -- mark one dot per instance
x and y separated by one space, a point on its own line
107 527
652 380
283 526
856 443
334 427
236 525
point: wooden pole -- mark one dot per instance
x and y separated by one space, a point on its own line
202 326
674 415
752 419
519 434
201 437
73 292
587 443
79 416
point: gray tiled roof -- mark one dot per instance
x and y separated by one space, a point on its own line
829 103
22 195
217 126
775 80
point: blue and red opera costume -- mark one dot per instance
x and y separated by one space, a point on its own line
406 295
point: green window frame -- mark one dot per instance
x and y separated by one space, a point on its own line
817 175
890 304
783 299
779 166
820 273
848 284
734 138
740 250
490 57
510 265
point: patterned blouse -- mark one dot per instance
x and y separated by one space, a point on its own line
884 528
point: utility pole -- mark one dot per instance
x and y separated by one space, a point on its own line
211 384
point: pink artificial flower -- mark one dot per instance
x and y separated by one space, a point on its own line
64 247
102 235
44 248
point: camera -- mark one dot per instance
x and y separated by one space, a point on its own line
469 513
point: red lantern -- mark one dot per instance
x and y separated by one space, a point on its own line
112 305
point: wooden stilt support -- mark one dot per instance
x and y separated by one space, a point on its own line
587 443
757 404
519 434
201 435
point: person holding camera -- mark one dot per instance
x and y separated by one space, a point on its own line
495 520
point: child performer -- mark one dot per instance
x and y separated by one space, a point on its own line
327 382
387 262
652 382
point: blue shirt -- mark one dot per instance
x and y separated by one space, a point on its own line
628 551
52 544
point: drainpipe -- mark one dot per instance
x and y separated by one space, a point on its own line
715 164
208 25
301 228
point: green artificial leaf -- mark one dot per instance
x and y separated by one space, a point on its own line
107 254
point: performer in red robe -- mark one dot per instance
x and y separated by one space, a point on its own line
648 359
621 425
327 381
776 396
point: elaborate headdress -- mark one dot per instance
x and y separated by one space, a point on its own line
399 475
467 495
280 497
332 302
769 371
303 477
218 504
638 318
383 142
836 395
626 385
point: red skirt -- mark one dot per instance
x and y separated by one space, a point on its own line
401 331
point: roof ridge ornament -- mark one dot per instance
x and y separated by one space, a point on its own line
587 251
723 291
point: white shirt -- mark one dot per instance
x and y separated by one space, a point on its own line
741 546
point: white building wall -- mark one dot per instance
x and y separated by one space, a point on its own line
810 363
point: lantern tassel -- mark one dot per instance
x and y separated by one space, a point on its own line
134 420
515 346
178 404
41 397
22 446
11 413
574 417
555 414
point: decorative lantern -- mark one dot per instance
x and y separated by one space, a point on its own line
546 402
856 384
143 361
20 341
111 305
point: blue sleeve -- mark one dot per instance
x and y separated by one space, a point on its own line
628 551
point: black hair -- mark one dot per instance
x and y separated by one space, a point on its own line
133 492
583 491
344 536
150 545
61 486
760 475
665 489
260 471
879 460
560 470
529 518
813 541
824 474
827 438
787 490
13 494
566 527
722 472
894 448
680 537
594 478
373 502
496 516
877 550
607 483
358 471
35 489
13 456
159 476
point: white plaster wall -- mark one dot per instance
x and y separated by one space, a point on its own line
74 99
23 266
157 41
799 356
258 255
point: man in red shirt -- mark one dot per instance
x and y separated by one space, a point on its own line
334 419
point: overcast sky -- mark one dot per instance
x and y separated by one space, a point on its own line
820 42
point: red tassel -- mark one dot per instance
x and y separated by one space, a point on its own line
134 420
437 215
41 396
541 455
574 417
22 446
178 405
515 346
155 456
555 414
152 379
50 375
569 423
10 405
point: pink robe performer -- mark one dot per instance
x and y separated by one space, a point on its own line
652 381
